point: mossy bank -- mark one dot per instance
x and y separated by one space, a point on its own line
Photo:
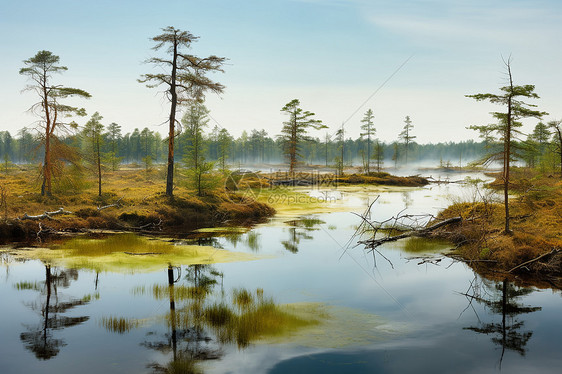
534 247
133 200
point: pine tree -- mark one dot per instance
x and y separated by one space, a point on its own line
187 81
294 130
369 129
406 136
224 144
194 121
40 69
508 124
114 137
92 134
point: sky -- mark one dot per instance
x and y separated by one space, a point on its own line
339 58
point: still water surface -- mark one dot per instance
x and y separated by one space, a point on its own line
355 313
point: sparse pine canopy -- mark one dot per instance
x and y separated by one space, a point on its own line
184 78
52 112
295 128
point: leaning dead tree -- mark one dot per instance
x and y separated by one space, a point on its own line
398 227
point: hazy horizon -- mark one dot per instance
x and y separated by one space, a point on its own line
410 58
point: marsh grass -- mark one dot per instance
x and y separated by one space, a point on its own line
131 243
179 292
142 202
253 318
25 285
91 296
242 298
244 317
120 325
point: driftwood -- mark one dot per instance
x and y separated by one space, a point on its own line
374 243
117 204
554 251
46 215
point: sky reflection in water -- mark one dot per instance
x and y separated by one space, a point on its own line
427 318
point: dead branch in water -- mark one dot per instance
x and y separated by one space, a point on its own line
46 215
423 232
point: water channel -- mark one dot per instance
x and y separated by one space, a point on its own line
296 297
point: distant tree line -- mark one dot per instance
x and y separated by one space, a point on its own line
146 147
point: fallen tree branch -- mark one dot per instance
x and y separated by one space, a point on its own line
374 243
554 251
46 215
117 204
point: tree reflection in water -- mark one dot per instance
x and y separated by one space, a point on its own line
186 340
40 339
200 322
298 231
502 298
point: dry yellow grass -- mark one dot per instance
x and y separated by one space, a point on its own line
141 197
536 221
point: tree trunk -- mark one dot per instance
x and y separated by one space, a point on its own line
368 152
99 164
172 132
46 185
293 147
507 154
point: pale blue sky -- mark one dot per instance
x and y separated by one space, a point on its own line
330 54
